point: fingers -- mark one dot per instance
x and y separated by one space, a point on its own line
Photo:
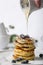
37 3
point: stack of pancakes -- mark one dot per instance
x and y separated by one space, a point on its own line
24 48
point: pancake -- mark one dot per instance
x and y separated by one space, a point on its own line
29 58
24 41
25 58
24 47
23 53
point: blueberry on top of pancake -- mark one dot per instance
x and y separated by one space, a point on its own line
22 36
27 36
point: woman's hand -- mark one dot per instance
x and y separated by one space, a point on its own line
37 3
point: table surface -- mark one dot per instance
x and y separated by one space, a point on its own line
5 57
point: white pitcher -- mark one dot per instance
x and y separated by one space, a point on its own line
35 28
3 37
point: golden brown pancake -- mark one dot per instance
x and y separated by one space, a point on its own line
25 45
24 41
26 58
24 48
23 53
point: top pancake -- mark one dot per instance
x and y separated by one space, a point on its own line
27 42
24 41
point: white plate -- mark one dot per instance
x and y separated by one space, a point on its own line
7 59
36 61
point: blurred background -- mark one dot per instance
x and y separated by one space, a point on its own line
12 15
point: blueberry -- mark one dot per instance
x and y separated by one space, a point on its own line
41 55
36 41
19 59
26 36
22 36
13 61
25 62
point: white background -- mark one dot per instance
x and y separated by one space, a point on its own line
12 14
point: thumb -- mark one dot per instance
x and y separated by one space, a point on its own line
37 3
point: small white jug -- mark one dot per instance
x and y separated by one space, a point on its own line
3 37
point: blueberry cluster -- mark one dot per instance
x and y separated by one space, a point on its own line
20 59
24 36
